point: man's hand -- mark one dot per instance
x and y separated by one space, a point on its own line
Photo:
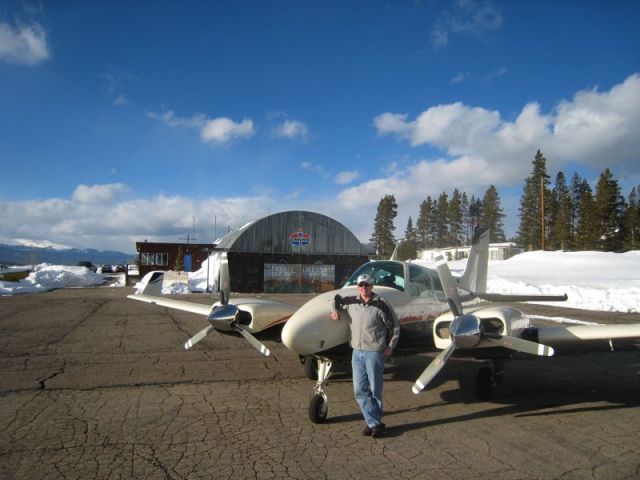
334 315
387 352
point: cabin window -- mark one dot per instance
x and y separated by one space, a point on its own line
420 282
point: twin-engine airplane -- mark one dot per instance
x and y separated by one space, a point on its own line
424 299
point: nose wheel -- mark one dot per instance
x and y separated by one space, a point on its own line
319 404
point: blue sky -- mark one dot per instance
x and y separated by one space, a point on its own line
125 121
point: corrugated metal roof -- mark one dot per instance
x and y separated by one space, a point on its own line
294 232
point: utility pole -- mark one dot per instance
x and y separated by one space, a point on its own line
542 211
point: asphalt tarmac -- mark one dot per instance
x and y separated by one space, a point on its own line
93 385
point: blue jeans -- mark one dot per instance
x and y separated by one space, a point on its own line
368 370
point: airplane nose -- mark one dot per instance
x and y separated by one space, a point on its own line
310 330
301 336
288 337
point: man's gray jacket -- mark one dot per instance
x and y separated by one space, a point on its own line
370 322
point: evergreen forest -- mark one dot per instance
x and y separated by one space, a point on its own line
565 215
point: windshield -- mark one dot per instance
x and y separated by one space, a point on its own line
385 274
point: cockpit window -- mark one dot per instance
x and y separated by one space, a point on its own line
385 274
424 283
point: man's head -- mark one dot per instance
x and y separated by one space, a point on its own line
365 284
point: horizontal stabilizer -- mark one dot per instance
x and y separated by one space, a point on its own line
499 297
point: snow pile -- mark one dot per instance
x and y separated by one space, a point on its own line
601 281
46 277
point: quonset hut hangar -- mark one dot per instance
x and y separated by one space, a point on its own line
290 252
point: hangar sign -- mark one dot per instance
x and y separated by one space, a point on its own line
299 238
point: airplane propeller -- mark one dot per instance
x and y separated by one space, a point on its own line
224 316
466 332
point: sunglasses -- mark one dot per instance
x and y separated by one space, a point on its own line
364 285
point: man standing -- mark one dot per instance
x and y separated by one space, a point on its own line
375 331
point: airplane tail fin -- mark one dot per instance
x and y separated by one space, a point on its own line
474 278
151 284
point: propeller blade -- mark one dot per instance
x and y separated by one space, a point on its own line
449 286
225 283
197 337
254 341
522 345
432 369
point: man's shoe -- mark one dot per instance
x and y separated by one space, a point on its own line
378 431
367 431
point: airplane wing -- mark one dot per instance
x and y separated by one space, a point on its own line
183 305
258 314
151 291
500 297
584 333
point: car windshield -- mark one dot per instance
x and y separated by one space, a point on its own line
385 274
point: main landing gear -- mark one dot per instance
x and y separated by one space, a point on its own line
488 377
319 404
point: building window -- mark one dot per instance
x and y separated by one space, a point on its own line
147 258
161 259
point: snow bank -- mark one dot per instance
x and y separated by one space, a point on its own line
46 277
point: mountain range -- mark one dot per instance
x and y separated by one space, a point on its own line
57 255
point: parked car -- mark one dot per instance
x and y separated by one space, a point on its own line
133 270
89 265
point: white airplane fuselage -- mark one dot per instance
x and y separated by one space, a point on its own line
311 331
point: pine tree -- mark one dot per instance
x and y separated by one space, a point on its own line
432 227
382 238
536 190
492 215
455 216
561 215
423 223
475 212
178 264
578 186
409 247
587 227
632 221
442 221
610 211
466 222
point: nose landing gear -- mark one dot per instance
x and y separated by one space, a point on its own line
319 404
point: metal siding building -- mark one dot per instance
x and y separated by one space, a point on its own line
293 251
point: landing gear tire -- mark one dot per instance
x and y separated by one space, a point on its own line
318 408
311 367
485 383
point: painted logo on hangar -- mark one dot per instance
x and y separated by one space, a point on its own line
299 238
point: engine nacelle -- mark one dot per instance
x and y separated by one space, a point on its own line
500 320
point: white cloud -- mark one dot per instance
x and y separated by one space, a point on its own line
461 77
291 129
344 178
215 131
24 44
98 193
223 130
121 101
466 17
315 167
170 119
90 218
595 128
